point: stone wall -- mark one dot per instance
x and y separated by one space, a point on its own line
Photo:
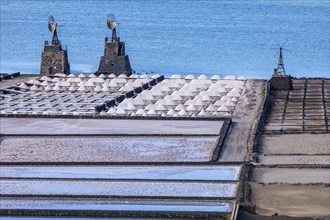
280 83
54 60
114 60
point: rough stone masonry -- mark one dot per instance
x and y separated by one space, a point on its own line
54 60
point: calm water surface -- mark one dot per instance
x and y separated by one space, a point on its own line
195 36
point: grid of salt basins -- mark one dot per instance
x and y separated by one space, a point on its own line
185 97
71 95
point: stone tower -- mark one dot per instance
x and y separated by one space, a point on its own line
53 58
114 60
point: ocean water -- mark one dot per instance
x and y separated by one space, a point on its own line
174 36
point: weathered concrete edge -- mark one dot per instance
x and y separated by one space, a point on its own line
222 136
103 213
253 143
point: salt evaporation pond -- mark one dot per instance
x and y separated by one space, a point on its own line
118 188
207 172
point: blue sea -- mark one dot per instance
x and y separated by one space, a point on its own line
174 36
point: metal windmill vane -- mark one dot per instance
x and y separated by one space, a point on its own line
280 64
52 25
112 24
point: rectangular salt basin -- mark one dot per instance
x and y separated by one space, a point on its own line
107 149
212 172
117 188
291 175
47 126
296 144
295 159
109 205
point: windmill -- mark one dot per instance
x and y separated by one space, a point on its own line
111 24
52 28
280 65
114 60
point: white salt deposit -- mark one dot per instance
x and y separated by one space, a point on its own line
215 77
46 78
23 86
104 89
144 76
152 112
192 108
171 112
48 88
111 111
183 112
223 108
179 107
203 76
233 93
175 76
149 106
160 107
55 79
57 87
141 112
211 108
120 111
89 83
82 88
130 106
97 88
202 113
44 83
34 81
229 103
241 78
232 77
190 76
34 88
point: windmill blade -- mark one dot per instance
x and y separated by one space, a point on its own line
276 54
111 21
284 42
51 23
278 43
